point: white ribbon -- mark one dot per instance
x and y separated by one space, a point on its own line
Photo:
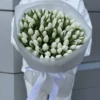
37 86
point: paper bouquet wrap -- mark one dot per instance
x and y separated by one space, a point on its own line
57 24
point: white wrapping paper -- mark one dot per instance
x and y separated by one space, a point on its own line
59 65
65 80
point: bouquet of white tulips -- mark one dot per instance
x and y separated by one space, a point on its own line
51 34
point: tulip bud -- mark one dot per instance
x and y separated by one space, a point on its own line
59 45
54 35
36 53
29 49
34 37
53 45
73 47
69 51
30 31
45 47
24 35
65 48
39 39
35 16
37 33
57 40
53 51
41 57
35 42
46 39
47 53
25 25
66 42
65 54
58 56
41 28
82 33
24 40
44 33
59 50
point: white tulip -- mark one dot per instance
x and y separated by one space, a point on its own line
64 32
54 34
54 45
73 47
31 43
53 51
52 57
46 38
37 33
21 25
20 35
48 20
47 28
68 28
34 37
67 21
59 45
79 41
78 46
39 39
24 40
44 33
41 57
47 53
65 54
69 51
77 33
37 48
68 34
46 57
59 20
30 25
58 56
61 24
35 16
57 40
24 35
65 48
74 36
41 28
49 25
36 53
82 33
31 20
25 25
59 50
35 42
66 42
45 47
29 49
30 31
33 11
84 40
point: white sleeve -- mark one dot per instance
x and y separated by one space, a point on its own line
83 11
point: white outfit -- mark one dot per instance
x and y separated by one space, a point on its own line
58 86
